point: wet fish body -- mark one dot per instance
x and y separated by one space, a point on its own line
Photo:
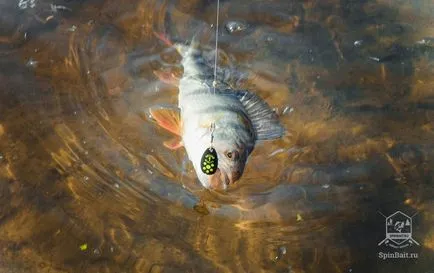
240 119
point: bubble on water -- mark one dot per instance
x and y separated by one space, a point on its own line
234 27
325 186
86 178
117 186
31 63
358 43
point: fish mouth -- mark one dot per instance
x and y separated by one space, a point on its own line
220 180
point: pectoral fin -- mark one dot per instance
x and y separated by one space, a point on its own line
167 118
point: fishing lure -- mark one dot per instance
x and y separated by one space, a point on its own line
209 161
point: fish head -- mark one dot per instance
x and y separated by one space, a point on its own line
232 158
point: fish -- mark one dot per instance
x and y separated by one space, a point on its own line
211 114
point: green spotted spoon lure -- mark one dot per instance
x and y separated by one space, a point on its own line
209 161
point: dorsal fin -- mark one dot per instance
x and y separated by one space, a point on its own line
264 120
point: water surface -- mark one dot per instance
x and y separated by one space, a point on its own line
87 185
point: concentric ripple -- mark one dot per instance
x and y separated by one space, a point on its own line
87 184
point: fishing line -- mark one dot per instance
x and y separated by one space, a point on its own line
214 83
209 161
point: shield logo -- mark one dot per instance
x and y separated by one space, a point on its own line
398 227
398 231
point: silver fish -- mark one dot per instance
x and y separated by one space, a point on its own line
239 117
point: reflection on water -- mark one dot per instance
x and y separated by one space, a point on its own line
86 184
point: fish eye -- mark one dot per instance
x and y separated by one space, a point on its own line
232 155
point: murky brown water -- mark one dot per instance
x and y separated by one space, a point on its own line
87 186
